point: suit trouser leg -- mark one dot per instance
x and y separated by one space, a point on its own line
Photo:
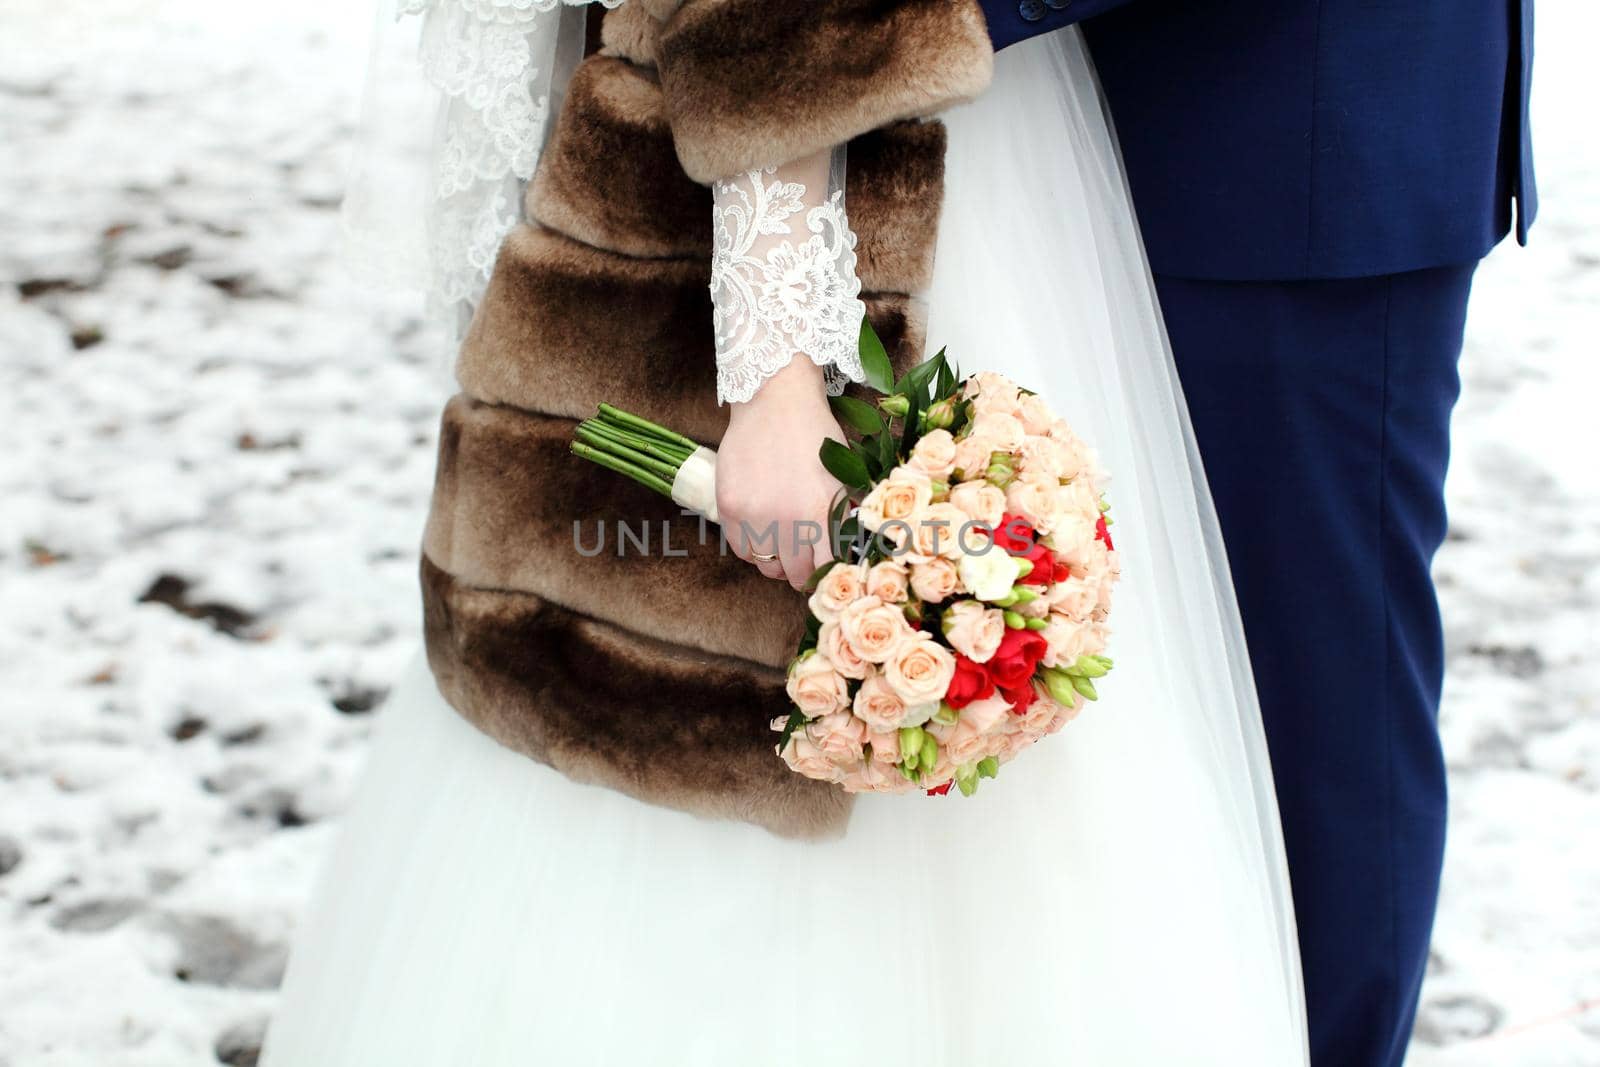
1322 411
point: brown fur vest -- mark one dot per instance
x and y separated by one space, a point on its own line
657 674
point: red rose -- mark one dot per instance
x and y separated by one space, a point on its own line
1020 697
1019 653
1044 565
971 682
1062 573
1013 534
941 790
1103 532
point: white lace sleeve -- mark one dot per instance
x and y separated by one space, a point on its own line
783 276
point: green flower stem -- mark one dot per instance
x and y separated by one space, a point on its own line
638 441
602 443
673 453
625 418
622 466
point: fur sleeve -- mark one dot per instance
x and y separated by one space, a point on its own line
749 83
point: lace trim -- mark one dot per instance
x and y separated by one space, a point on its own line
480 54
773 298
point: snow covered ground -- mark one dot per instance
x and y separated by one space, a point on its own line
214 456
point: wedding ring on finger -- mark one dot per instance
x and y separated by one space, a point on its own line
762 557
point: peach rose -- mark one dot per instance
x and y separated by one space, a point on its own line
1108 582
1101 568
838 737
1074 542
1035 721
974 629
1075 597
920 670
972 457
899 498
815 687
938 531
980 501
879 706
1004 432
1061 430
934 454
1081 496
885 745
989 391
1035 413
842 584
875 630
967 744
1045 456
1097 635
886 778
1037 499
889 581
873 777
1065 641
986 715
1061 714
831 643
934 580
803 757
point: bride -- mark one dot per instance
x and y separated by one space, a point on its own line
632 894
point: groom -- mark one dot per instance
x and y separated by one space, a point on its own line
1316 181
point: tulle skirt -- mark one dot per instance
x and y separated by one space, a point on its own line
1117 896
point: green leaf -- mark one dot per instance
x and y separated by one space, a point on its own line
947 381
840 505
813 632
856 414
796 721
844 464
915 382
913 428
869 456
849 530
816 575
875 359
886 456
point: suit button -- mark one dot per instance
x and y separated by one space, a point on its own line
1031 10
1056 5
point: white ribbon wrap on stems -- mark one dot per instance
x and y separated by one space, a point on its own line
695 487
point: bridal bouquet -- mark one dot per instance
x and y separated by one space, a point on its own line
964 615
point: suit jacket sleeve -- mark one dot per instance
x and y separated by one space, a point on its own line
1011 21
753 83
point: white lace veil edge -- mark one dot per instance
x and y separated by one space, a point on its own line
455 112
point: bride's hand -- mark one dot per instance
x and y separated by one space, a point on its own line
773 493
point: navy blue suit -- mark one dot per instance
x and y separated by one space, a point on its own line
1315 182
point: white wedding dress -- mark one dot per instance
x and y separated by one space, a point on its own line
1118 896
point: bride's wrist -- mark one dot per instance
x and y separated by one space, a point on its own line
798 385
